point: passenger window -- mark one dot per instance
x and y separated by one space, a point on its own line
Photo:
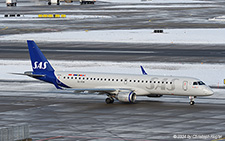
71 77
64 77
68 77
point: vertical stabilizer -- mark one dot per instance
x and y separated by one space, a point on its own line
42 69
39 62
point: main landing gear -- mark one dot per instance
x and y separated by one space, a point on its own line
192 102
109 100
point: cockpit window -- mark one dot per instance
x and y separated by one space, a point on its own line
195 83
198 83
201 83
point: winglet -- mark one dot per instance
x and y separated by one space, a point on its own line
143 71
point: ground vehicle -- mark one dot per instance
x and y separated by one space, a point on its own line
11 2
50 2
87 2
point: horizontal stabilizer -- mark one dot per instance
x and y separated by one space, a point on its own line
30 73
18 73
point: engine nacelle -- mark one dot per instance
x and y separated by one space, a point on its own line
126 96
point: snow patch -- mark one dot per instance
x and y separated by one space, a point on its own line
36 18
162 6
220 19
212 74
183 36
155 1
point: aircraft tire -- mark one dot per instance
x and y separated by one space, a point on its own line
192 102
109 100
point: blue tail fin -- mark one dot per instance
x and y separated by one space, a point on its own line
39 62
42 69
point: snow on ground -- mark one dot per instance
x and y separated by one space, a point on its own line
186 36
212 74
154 1
35 17
219 19
35 2
162 6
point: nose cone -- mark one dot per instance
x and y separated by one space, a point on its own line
208 91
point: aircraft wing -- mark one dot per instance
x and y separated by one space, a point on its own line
101 90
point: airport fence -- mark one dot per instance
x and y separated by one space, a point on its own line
14 132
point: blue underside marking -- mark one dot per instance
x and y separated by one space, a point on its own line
51 78
63 85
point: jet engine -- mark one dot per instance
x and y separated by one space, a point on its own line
126 96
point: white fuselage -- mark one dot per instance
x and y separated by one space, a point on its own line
140 84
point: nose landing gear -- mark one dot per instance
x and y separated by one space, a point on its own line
192 102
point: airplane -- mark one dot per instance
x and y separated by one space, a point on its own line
123 87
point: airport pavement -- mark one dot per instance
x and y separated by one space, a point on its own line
119 52
106 15
59 115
